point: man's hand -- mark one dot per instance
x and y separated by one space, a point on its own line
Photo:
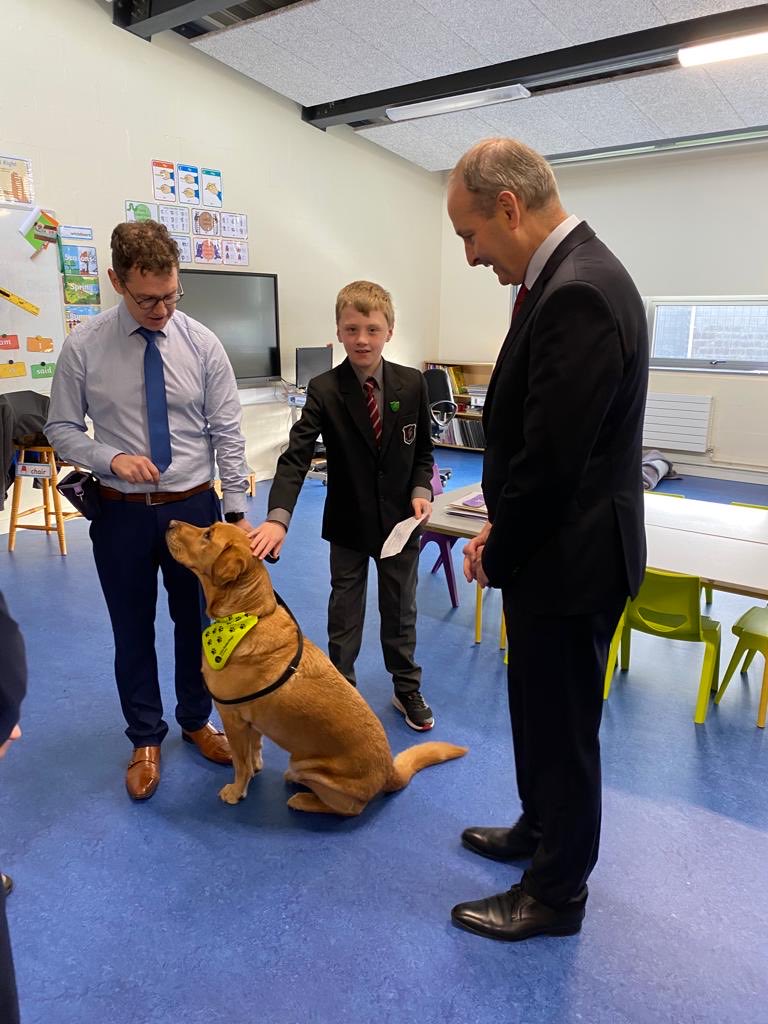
135 469
422 508
5 747
473 551
267 539
245 526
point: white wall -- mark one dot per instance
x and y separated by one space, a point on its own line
692 223
92 105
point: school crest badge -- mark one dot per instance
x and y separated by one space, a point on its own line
409 433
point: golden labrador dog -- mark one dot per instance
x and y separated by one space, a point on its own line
338 747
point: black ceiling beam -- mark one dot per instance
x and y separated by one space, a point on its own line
603 59
146 17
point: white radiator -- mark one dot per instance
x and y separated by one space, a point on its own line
677 422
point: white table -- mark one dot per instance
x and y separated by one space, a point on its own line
725 545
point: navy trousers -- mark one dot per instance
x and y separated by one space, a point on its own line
555 679
129 549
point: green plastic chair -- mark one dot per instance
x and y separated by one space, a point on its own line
752 631
668 606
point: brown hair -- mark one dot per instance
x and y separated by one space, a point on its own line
367 298
506 165
145 245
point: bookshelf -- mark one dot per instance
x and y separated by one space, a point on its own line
469 382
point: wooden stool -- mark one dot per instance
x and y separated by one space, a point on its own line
49 481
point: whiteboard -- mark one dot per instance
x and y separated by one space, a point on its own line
36 279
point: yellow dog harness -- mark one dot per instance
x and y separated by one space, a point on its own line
223 636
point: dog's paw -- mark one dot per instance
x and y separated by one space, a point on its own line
231 794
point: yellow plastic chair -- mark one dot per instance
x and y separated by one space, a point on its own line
479 621
668 606
752 631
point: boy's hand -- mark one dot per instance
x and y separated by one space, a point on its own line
422 508
245 526
267 539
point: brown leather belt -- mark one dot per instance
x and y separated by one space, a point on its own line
152 497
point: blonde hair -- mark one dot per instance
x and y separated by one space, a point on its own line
506 165
367 298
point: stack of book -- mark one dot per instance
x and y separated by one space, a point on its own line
472 505
464 433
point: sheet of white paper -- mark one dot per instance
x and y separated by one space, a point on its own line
395 542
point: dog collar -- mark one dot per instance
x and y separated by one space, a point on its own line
223 635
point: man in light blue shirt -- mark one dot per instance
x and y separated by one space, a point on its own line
162 397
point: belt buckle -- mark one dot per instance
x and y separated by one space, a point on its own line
148 496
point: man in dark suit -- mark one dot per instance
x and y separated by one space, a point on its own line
374 419
13 686
565 540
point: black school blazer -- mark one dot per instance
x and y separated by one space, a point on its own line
563 421
369 488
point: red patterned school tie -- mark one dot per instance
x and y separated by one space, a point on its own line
373 409
522 291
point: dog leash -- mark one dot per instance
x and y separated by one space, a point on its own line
292 668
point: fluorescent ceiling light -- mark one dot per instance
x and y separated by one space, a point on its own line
726 49
449 104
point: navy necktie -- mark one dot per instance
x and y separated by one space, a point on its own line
157 406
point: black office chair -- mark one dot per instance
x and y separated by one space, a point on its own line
442 407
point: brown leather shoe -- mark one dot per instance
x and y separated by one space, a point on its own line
7 883
211 743
143 775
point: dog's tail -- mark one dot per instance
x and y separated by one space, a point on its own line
412 760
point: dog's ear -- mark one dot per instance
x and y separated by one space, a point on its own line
229 565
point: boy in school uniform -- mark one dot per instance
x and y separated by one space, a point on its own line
374 419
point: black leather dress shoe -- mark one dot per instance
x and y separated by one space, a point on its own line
516 843
514 915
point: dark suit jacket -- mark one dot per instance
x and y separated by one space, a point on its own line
369 489
13 672
563 421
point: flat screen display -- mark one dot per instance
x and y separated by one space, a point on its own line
310 362
241 310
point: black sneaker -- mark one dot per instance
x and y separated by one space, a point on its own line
418 714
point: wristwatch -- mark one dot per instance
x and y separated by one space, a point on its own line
233 517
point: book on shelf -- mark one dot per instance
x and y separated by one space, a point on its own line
472 504
464 433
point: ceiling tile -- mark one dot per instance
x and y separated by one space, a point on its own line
602 113
500 29
599 19
250 53
682 101
406 32
683 10
744 83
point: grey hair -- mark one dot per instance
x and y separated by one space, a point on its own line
501 165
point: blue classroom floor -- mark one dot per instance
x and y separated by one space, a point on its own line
183 909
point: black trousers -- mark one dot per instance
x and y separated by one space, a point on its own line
129 548
9 1004
555 678
397 610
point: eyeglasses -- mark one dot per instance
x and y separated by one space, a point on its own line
151 301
